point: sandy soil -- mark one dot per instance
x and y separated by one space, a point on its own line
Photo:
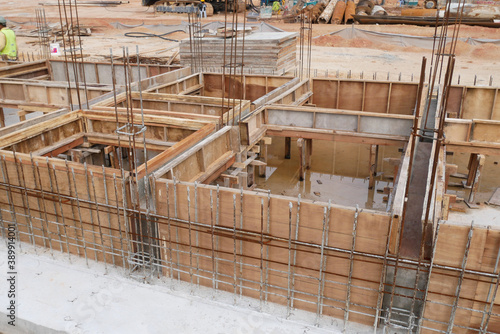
329 53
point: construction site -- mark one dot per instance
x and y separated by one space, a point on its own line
162 172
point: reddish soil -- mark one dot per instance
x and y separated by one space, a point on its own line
328 53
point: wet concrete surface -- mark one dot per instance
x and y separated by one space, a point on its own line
339 171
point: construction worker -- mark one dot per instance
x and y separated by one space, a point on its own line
8 44
203 8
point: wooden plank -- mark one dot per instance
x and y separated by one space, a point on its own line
343 136
37 129
122 141
162 158
478 103
403 99
61 146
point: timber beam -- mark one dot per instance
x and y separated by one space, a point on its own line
330 135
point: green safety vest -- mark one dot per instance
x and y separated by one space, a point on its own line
10 49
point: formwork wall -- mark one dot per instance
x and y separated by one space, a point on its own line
247 87
473 102
363 95
463 299
64 206
306 255
326 259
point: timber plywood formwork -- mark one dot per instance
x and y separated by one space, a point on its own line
37 70
366 95
247 87
64 206
184 106
474 136
189 85
473 103
74 207
46 94
204 161
267 53
102 72
463 297
326 124
301 254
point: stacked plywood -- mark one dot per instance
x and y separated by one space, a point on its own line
264 52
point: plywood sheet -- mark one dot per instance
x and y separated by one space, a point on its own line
403 98
325 93
478 103
351 95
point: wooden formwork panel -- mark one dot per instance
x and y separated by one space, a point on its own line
248 87
203 162
47 94
234 247
186 85
44 134
476 292
473 103
31 70
471 135
102 72
62 206
372 96
185 106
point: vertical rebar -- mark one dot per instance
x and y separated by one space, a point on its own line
87 183
60 208
297 224
351 267
54 206
98 214
235 284
44 237
189 238
289 271
321 260
212 239
170 259
80 217
115 185
26 204
382 277
106 201
451 322
431 267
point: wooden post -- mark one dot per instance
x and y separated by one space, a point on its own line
369 198
263 157
251 175
395 163
302 158
449 170
475 184
373 165
473 164
2 118
288 141
113 157
22 115
447 201
243 179
309 147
